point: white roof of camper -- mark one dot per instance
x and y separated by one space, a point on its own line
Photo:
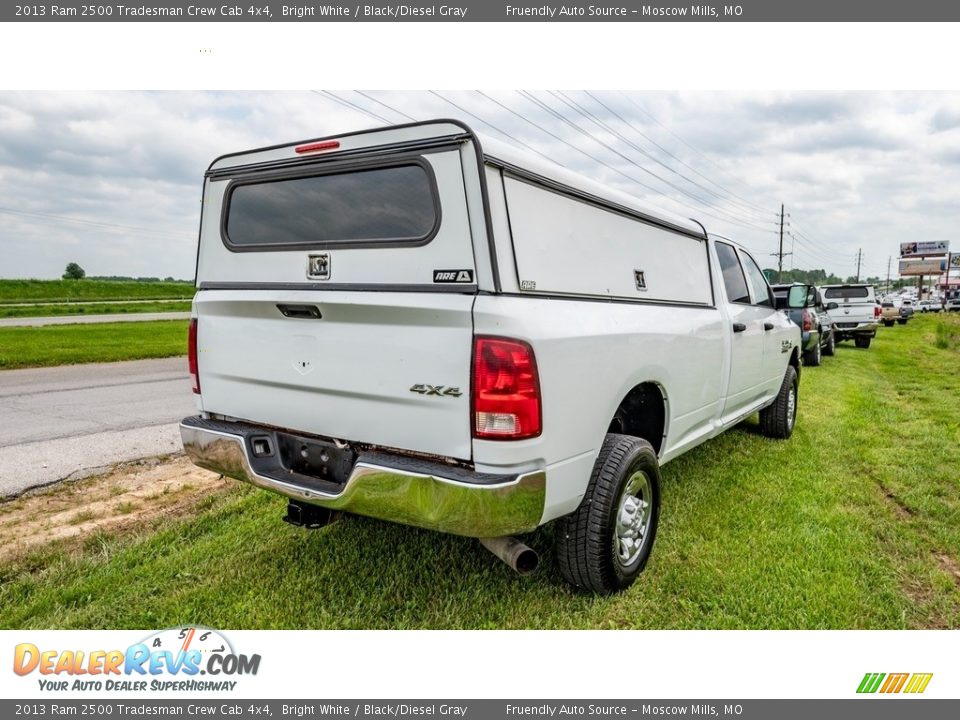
497 150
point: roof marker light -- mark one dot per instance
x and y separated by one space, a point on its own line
314 147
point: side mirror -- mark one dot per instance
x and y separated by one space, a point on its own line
832 306
797 296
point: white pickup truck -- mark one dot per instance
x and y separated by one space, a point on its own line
406 324
856 315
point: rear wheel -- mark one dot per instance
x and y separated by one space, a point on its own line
888 323
902 321
812 356
863 342
777 420
605 544
830 348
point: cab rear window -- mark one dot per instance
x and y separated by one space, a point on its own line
371 206
850 293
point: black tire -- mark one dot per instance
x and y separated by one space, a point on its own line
777 420
888 323
902 321
812 357
830 349
587 546
863 342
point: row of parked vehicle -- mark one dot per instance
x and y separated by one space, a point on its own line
831 314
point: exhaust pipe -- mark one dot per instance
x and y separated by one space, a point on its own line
521 558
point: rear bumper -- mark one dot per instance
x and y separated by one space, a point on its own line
389 487
869 328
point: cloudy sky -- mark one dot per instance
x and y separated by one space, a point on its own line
112 180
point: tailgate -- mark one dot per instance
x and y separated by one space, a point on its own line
346 374
336 291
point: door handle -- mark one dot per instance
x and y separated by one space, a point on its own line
739 327
768 326
299 311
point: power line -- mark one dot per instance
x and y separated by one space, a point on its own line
388 107
576 107
497 129
50 217
691 147
570 123
746 207
352 106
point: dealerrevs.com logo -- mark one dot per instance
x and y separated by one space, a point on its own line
910 683
179 659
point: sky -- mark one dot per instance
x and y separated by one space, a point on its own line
112 180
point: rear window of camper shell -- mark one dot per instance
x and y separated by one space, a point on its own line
853 292
392 204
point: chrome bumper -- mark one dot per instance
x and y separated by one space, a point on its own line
421 494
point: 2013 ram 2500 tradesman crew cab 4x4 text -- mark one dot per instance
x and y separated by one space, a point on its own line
408 324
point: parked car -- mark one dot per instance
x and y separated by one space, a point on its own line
890 311
817 332
930 306
952 303
906 310
412 325
857 314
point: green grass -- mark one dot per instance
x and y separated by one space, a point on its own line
853 523
98 308
64 291
22 347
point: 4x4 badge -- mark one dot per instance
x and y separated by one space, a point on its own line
441 390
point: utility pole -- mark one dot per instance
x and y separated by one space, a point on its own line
859 256
780 258
889 258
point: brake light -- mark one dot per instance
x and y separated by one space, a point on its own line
876 311
192 355
506 390
317 146
807 321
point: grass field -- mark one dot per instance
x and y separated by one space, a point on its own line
853 523
69 291
22 347
96 308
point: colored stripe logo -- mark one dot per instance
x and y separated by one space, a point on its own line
914 683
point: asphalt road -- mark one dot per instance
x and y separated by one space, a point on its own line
70 421
86 319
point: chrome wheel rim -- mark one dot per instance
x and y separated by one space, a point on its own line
633 518
791 406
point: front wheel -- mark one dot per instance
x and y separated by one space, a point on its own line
605 544
863 342
777 420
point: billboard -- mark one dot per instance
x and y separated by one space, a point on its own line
931 266
919 249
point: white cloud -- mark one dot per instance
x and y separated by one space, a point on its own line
855 170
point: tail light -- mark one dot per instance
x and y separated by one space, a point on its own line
807 321
506 390
876 311
192 355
